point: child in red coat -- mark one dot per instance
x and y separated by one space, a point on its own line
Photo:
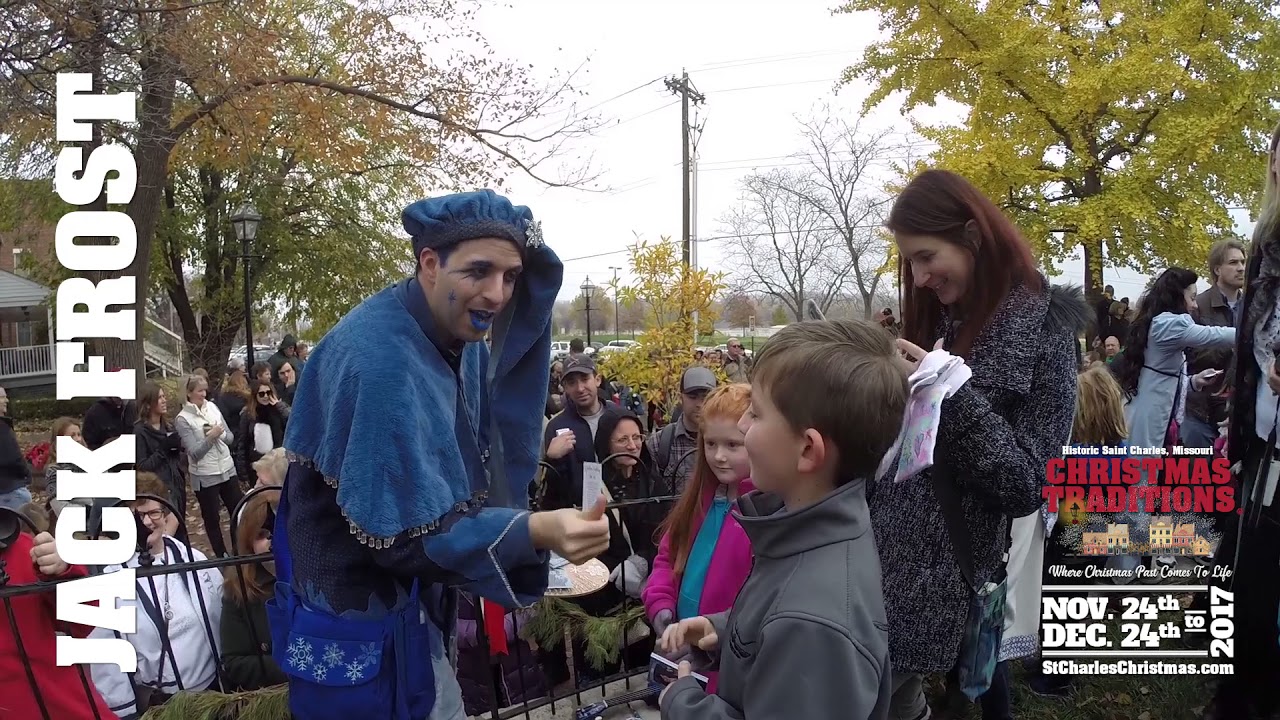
62 690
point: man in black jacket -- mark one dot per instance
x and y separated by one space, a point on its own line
15 473
1215 306
568 441
108 418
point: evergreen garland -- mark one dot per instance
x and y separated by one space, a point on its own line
603 636
267 704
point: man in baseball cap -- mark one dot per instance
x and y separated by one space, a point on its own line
673 447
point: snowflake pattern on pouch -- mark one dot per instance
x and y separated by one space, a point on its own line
333 667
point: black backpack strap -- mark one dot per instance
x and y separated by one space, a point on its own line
947 491
666 436
179 557
162 626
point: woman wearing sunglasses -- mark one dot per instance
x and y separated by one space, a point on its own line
261 427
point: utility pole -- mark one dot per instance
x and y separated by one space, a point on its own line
688 94
617 331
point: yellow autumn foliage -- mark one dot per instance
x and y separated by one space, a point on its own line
670 295
1126 129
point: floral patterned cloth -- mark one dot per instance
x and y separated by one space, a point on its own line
939 376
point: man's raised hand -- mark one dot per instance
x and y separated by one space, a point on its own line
575 535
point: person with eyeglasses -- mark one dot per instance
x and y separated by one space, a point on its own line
262 427
184 607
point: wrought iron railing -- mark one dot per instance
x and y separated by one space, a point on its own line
501 694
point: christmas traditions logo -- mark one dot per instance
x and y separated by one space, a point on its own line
1110 502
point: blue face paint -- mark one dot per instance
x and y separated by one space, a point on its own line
481 320
453 298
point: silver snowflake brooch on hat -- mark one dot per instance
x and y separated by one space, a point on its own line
533 234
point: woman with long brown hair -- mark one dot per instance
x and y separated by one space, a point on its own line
159 446
246 636
1251 544
971 286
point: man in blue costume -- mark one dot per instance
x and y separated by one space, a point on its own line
412 446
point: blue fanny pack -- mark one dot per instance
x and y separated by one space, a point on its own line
341 668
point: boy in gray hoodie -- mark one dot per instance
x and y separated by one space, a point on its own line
807 637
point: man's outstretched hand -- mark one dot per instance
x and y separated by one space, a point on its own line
575 535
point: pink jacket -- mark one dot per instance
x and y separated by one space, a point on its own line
730 565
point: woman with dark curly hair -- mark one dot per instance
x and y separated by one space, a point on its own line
1152 370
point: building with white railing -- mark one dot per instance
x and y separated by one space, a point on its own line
26 345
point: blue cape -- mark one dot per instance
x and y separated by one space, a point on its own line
375 407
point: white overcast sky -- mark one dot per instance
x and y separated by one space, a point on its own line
758 63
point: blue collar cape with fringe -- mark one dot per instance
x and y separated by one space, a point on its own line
376 408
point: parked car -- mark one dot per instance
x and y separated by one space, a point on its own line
260 353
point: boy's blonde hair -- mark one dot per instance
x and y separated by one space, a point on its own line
1099 416
841 378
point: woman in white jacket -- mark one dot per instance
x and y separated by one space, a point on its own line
183 608
210 466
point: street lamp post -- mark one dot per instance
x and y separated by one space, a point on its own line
588 289
617 331
245 222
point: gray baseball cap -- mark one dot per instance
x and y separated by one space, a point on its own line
698 379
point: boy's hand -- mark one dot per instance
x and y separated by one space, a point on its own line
696 631
683 671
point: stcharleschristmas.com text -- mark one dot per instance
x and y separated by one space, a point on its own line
1132 667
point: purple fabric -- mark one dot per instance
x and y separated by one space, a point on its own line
520 678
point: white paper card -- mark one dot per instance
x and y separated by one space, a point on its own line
592 484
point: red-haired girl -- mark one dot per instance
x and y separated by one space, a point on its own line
704 556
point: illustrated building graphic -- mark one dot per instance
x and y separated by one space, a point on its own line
1183 536
1160 535
1164 538
1200 546
1117 538
1094 543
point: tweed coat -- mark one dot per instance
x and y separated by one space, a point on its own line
998 431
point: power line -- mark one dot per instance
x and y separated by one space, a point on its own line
803 156
643 114
738 236
754 166
769 59
775 85
578 114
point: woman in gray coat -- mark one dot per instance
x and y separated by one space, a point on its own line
1152 370
970 282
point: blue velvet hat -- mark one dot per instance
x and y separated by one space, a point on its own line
442 222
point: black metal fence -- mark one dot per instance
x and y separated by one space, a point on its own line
511 686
